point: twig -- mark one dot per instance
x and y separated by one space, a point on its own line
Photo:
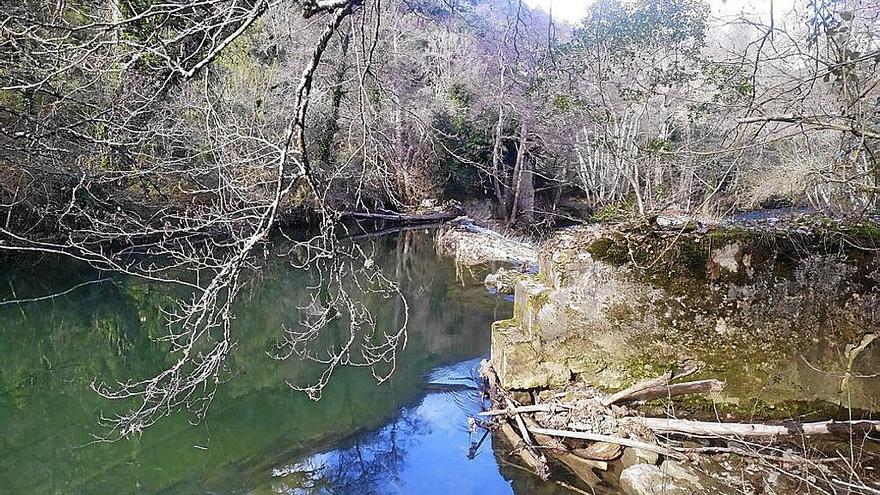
863 488
53 296
551 408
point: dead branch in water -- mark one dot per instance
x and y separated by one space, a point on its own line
551 408
595 437
538 464
522 441
401 217
557 429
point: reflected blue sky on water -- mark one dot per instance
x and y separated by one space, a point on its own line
424 450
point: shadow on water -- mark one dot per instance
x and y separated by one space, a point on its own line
360 438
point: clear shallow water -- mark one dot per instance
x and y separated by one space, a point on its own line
260 436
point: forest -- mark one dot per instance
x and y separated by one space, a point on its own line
190 143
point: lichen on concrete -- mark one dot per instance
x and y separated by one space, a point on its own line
771 314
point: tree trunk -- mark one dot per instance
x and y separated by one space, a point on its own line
331 127
526 203
497 148
523 185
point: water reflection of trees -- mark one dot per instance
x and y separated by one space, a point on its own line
385 460
54 349
524 482
371 463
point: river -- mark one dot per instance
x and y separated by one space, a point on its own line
260 436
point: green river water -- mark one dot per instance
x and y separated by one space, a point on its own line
260 436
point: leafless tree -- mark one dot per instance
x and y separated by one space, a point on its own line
123 148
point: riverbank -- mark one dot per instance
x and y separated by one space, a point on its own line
777 323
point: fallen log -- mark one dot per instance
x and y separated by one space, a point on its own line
523 431
537 464
596 437
595 455
401 217
688 427
678 389
448 387
560 483
652 383
394 230
579 466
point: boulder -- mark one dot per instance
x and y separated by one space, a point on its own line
503 281
771 315
632 456
670 478
648 479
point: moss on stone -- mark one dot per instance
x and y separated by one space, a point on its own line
608 250
734 409
750 323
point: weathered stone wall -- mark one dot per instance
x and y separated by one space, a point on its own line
785 319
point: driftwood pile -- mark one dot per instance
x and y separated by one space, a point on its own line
586 430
